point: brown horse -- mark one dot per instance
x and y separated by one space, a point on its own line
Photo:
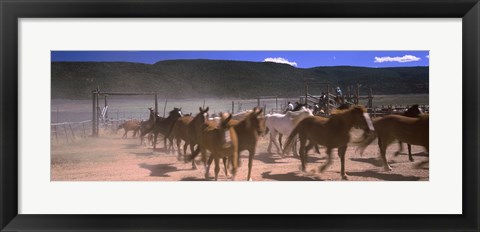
248 131
222 142
180 133
130 125
147 126
333 132
413 112
396 127
194 134
164 126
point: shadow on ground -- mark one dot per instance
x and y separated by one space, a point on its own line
291 176
384 176
159 169
132 146
373 161
268 158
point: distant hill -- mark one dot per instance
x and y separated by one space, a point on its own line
225 79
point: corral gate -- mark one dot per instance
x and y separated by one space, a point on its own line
351 96
96 109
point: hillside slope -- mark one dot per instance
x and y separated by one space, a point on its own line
229 79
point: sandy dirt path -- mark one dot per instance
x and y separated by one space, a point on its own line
111 158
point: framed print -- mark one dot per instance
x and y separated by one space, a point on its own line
243 71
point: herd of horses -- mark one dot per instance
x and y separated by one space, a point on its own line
224 137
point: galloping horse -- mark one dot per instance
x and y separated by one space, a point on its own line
248 131
222 142
283 124
409 130
413 112
330 132
130 125
194 132
179 133
147 126
164 126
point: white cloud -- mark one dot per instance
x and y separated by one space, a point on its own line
428 56
403 59
280 60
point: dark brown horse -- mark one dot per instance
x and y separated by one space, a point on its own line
147 126
396 127
333 132
248 131
194 132
130 125
222 142
164 126
413 112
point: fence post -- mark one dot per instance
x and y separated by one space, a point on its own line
94 114
73 133
66 134
56 133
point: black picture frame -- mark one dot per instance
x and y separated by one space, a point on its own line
11 11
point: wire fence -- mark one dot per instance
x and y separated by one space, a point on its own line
71 132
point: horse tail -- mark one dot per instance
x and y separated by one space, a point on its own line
290 140
367 139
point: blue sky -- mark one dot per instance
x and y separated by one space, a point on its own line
300 59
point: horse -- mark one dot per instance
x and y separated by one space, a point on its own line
391 127
222 142
194 134
130 125
248 131
180 132
333 132
299 106
164 126
283 124
413 112
147 126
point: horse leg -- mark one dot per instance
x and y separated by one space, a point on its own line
400 148
217 168
193 155
185 152
410 156
383 150
303 158
179 153
251 153
329 160
225 166
269 148
317 149
311 145
341 154
154 141
273 135
165 145
280 140
124 134
207 169
294 147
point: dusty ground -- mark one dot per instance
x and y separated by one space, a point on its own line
111 158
